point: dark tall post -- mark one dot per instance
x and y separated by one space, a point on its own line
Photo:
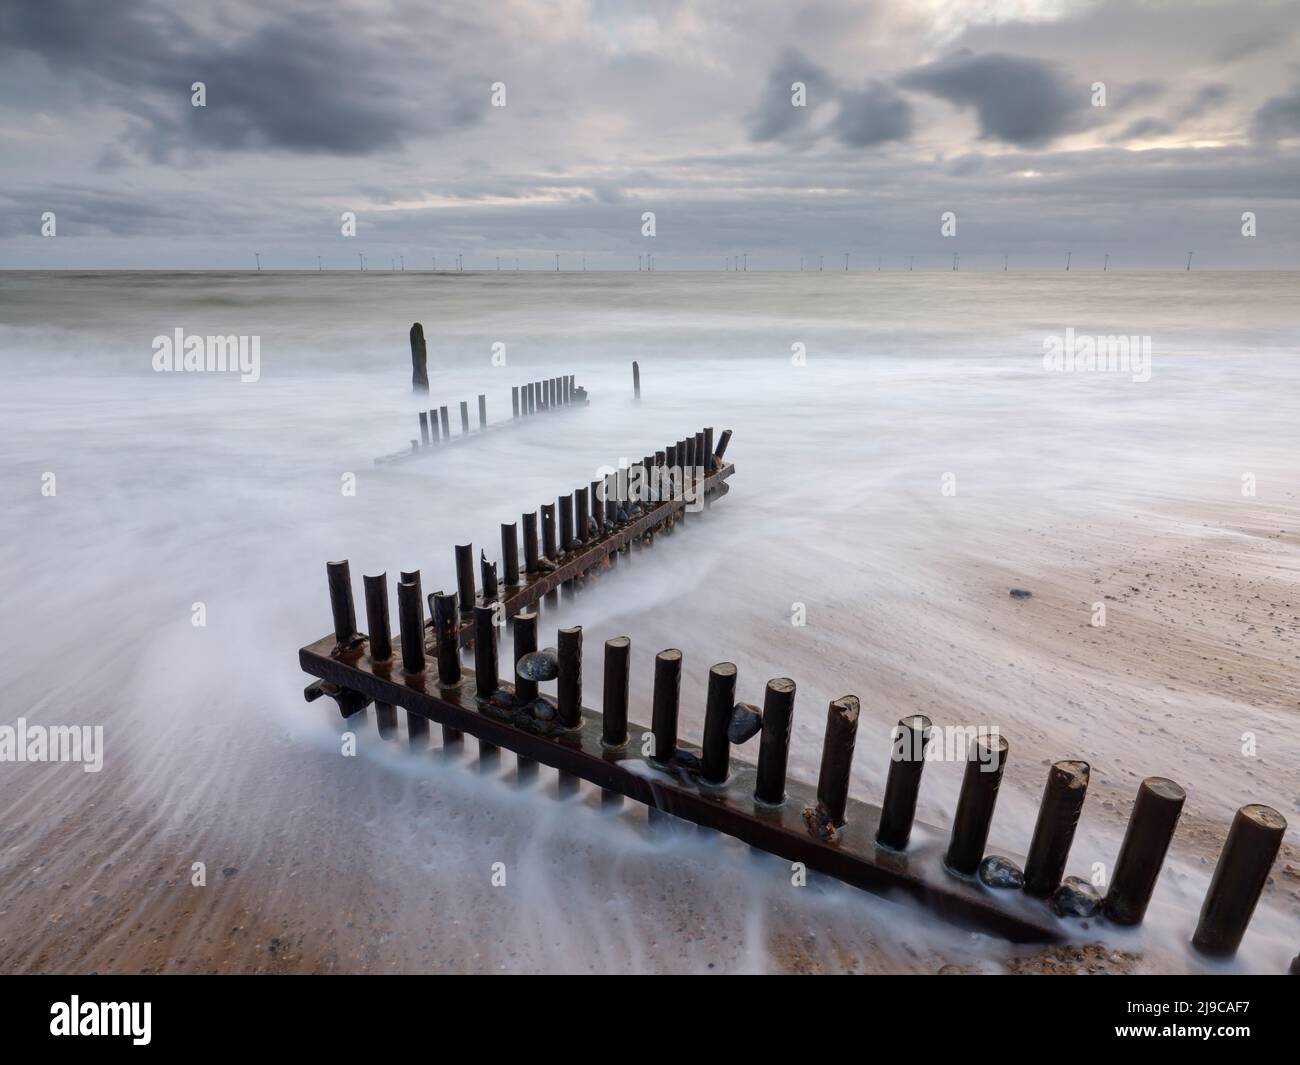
489 573
548 531
381 643
597 509
611 504
979 795
464 417
339 577
514 401
445 418
723 441
446 628
636 380
482 411
528 397
618 653
569 686
525 624
381 640
1239 877
667 693
486 670
710 463
837 759
903 784
410 616
698 454
465 591
774 744
581 512
530 542
434 435
1058 817
419 360
716 764
566 523
1146 841
510 552
424 428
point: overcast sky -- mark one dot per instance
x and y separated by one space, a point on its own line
680 107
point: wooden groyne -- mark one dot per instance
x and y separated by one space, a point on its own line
877 847
543 396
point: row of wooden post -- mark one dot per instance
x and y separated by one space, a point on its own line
543 395
435 425
1252 845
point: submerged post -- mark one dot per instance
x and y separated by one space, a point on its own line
410 616
723 441
548 531
525 623
530 542
618 652
774 744
1146 842
381 642
434 435
464 417
663 714
581 513
569 685
465 576
514 401
832 782
486 670
715 764
636 380
419 360
566 524
510 552
339 576
903 784
1058 817
979 795
424 428
482 411
447 631
445 418
1239 878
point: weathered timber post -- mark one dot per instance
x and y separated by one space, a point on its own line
1239 878
1146 842
715 766
381 643
774 743
419 361
1058 817
636 380
903 784
979 795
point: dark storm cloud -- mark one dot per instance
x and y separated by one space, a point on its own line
1279 116
776 117
872 116
309 80
1019 100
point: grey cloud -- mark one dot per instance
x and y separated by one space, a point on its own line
1018 100
1207 98
1137 92
305 81
1279 117
1145 127
872 115
776 118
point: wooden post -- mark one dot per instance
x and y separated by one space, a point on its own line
419 361
774 744
663 714
482 411
903 784
636 380
1239 878
1146 842
718 704
1058 817
979 795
